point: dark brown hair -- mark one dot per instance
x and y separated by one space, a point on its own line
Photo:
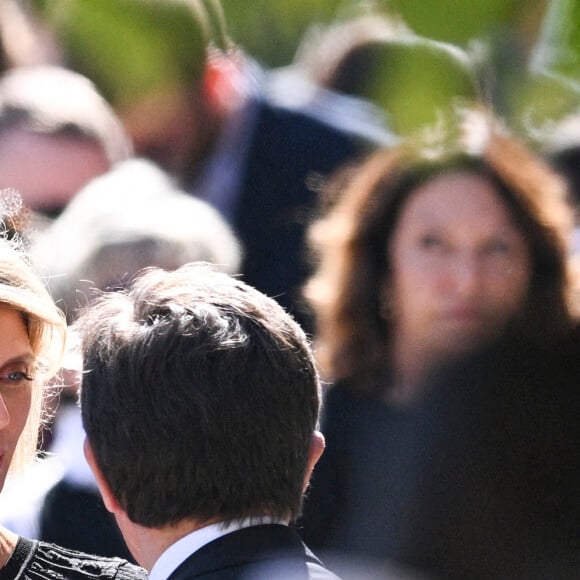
350 241
199 398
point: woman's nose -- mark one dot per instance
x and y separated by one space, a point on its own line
467 274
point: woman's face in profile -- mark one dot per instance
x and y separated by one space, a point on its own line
16 373
460 267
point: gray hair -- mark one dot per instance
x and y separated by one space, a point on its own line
131 218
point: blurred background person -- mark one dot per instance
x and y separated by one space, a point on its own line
202 107
494 488
309 83
429 251
32 340
380 61
130 218
56 134
196 103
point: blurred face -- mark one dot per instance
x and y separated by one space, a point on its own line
16 368
460 269
164 127
48 170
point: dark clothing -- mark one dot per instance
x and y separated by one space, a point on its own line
495 492
256 553
33 560
479 481
355 499
277 200
68 510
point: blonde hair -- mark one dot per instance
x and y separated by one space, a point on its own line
22 290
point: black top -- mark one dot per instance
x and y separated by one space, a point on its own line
356 496
495 492
34 560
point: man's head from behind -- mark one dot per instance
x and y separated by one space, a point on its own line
200 399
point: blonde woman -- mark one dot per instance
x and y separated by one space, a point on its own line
32 337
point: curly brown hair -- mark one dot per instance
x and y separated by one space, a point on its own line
349 242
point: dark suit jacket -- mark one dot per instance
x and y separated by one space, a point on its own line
277 201
255 553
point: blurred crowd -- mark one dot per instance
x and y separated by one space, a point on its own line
412 202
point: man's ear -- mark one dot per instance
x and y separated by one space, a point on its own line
109 499
317 445
222 82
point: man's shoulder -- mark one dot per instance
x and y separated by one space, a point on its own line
255 553
336 122
282 129
294 94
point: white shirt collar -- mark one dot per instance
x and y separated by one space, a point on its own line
178 552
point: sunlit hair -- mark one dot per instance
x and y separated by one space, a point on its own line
56 102
22 290
350 240
131 217
222 393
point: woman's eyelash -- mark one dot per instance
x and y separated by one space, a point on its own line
15 376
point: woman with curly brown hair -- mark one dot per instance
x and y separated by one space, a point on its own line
430 251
